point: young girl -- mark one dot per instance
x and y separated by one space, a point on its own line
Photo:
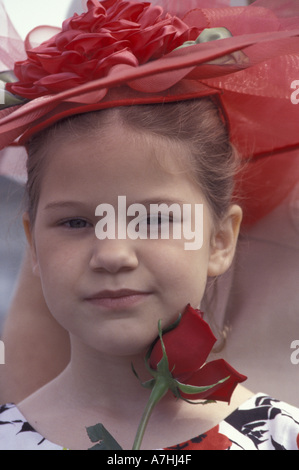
110 293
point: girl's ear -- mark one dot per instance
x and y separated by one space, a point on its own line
224 242
30 239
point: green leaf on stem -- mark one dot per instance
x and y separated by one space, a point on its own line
105 441
192 389
149 384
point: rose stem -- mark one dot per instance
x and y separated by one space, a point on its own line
158 392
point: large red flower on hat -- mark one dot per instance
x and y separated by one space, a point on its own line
90 45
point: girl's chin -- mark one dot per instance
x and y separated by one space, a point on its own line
116 345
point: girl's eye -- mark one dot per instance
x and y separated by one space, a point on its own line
76 223
158 219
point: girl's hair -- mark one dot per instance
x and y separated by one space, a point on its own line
195 124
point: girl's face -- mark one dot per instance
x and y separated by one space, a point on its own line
111 293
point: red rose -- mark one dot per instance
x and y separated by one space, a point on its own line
175 361
187 347
110 33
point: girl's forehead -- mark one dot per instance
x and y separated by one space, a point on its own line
119 162
118 147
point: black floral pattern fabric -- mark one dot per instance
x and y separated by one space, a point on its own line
263 423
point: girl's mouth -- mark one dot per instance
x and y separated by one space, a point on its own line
116 299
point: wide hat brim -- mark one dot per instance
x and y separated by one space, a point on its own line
248 103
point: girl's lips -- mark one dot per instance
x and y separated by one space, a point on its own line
117 299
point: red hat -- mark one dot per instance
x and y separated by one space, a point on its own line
126 53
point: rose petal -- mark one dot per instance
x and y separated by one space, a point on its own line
187 346
211 373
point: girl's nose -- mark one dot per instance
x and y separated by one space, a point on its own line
114 255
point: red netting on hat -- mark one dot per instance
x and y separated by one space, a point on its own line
251 73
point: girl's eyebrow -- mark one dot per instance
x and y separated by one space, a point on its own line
147 202
64 204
